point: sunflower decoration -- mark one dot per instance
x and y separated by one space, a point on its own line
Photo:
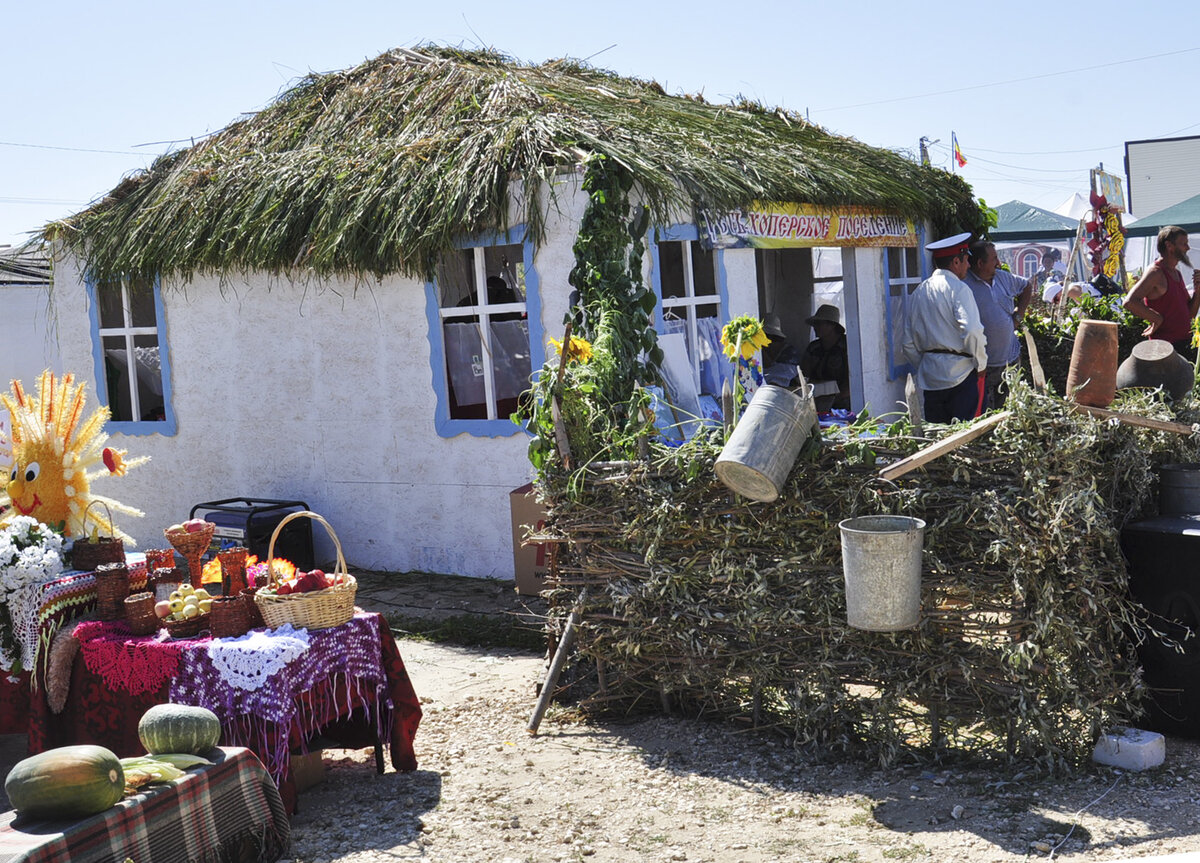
578 350
746 331
55 453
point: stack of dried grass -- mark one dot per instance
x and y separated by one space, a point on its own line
721 606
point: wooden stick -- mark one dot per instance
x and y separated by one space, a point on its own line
556 665
939 449
1035 365
1135 420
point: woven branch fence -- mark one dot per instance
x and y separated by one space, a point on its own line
710 604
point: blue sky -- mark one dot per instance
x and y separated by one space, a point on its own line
1037 92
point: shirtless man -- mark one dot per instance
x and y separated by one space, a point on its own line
1159 297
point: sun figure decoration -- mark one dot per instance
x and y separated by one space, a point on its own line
53 451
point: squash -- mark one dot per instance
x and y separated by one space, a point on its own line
67 782
168 728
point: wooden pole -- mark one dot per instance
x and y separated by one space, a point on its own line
939 449
1138 421
556 664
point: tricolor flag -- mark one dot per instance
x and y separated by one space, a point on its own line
958 156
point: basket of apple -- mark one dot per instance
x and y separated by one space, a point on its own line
185 612
313 599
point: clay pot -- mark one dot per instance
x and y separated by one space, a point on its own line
1092 377
1154 363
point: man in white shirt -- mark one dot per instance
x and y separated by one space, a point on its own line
943 337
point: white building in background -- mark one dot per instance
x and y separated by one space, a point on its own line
1161 173
27 321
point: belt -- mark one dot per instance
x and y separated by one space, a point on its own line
948 351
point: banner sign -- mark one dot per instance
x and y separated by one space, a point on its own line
1112 188
780 226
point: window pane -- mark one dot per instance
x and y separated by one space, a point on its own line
895 259
827 263
149 378
511 364
108 299
464 370
141 304
912 264
456 279
704 277
116 377
505 268
670 269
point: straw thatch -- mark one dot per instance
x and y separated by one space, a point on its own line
379 168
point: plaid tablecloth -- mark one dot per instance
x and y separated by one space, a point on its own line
228 813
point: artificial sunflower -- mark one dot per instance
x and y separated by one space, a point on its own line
750 330
578 351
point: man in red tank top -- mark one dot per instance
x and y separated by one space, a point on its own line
1159 297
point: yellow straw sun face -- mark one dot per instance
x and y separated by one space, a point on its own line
52 451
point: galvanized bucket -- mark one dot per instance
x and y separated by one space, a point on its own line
757 458
1179 489
881 561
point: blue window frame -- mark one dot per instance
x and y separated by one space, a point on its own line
484 345
129 351
691 287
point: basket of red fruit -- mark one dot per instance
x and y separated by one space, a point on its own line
313 599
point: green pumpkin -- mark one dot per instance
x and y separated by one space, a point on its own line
67 782
166 728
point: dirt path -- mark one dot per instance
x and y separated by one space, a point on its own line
664 789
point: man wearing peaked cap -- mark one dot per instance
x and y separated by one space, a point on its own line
943 337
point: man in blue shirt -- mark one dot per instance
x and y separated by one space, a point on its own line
1002 299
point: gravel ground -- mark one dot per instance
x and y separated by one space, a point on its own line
667 789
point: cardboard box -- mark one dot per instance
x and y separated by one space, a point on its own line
530 561
307 770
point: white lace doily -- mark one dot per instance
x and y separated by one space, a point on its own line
248 661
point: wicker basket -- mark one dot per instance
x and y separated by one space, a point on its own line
139 611
256 618
233 570
229 616
112 586
187 628
164 581
318 609
160 558
87 554
192 546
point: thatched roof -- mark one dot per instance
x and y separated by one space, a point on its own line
378 168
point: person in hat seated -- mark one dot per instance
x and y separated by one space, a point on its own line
781 358
943 337
824 359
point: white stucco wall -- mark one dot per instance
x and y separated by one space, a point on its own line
866 289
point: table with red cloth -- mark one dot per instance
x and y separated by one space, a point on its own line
56 602
350 686
229 811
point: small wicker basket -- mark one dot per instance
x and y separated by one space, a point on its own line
229 616
189 627
139 611
87 554
192 545
159 558
164 581
318 609
112 586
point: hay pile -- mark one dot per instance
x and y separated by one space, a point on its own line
721 606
